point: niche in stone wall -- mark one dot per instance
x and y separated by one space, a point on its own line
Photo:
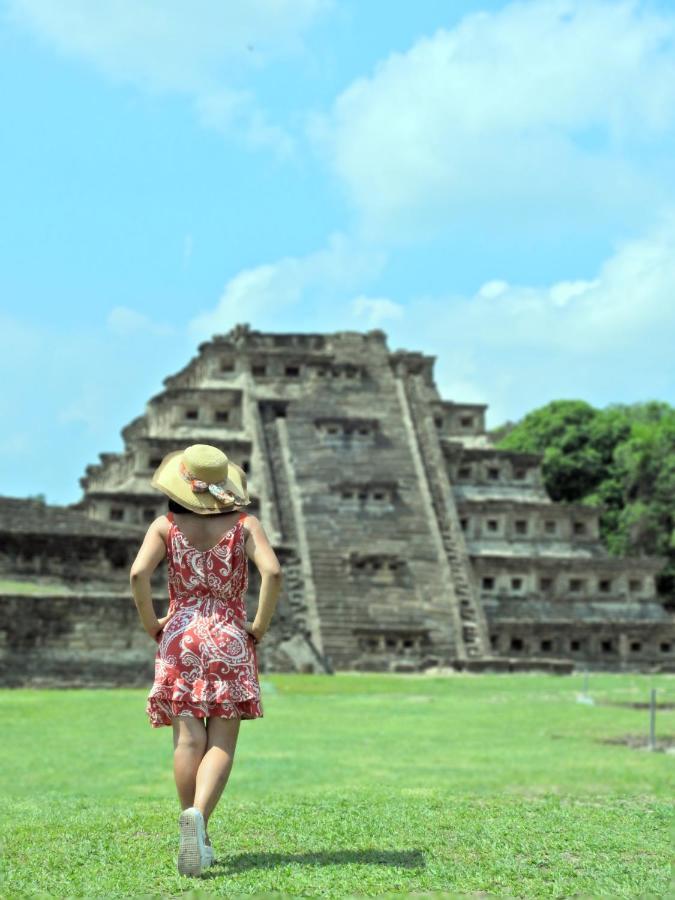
345 432
373 495
213 409
335 371
404 641
118 556
384 569
148 514
461 420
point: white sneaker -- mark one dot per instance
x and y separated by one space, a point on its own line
193 855
209 855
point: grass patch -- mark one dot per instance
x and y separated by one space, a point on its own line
352 785
28 587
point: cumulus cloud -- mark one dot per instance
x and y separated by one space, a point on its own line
376 309
507 116
200 50
305 285
631 296
515 347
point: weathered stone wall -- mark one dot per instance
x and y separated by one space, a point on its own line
96 638
77 639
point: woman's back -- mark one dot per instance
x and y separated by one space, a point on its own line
204 532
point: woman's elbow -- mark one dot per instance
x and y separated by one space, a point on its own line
136 575
274 574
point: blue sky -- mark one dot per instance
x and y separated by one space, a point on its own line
491 183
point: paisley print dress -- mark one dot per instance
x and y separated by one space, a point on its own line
206 663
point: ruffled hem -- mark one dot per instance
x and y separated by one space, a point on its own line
160 711
163 704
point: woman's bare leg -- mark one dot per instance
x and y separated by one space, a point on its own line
189 744
216 764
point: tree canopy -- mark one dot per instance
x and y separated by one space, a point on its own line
621 458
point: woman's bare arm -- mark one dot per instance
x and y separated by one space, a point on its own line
150 555
260 551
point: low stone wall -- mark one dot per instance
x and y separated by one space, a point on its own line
78 639
96 639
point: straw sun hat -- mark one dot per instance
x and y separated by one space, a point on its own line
202 479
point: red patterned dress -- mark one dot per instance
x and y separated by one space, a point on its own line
206 663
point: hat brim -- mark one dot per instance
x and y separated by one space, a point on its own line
169 481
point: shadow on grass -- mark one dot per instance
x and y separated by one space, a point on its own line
663 744
242 862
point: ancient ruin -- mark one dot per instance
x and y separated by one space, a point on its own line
407 540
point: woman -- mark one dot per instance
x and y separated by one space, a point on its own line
206 666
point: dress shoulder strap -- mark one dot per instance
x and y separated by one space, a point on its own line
169 516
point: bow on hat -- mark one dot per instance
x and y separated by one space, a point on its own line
217 488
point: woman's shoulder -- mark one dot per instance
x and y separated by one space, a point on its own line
249 521
162 525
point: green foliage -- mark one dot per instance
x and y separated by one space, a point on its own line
621 458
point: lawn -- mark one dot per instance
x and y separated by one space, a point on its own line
351 785
29 587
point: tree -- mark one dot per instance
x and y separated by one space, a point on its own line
621 458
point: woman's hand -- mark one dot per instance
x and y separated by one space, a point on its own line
162 622
255 633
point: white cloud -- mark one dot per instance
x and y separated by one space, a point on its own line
201 49
493 289
123 321
376 309
631 297
226 110
515 347
264 294
523 116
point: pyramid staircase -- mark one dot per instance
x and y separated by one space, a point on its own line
294 648
474 643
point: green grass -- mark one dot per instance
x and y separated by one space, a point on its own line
29 587
352 785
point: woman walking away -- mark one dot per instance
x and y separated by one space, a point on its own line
206 664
